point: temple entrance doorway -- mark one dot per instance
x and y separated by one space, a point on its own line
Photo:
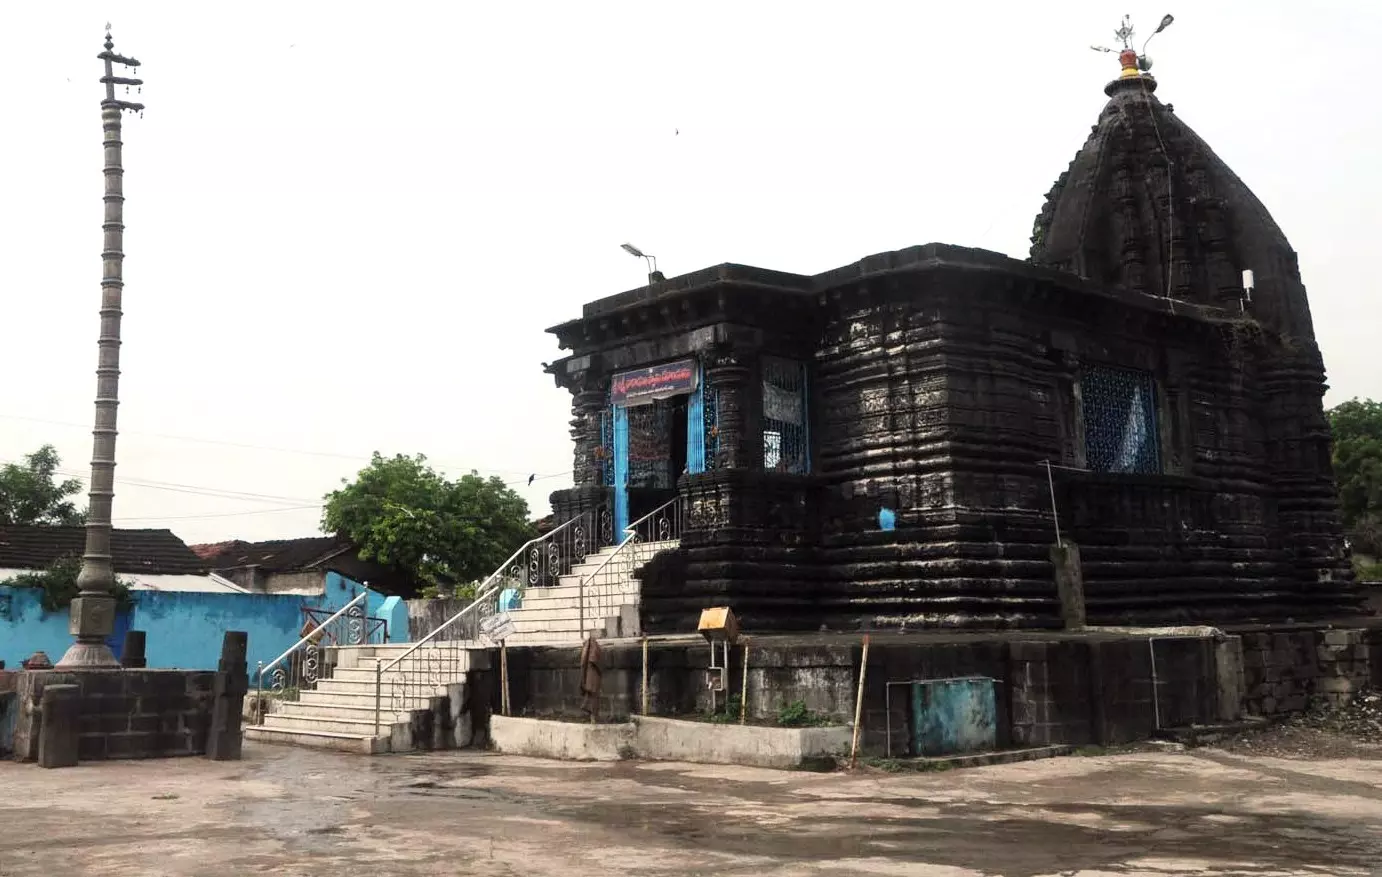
652 438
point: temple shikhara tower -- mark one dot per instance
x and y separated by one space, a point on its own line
899 442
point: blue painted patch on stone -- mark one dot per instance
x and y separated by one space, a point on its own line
951 716
887 519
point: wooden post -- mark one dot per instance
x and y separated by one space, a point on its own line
859 703
645 675
744 687
504 677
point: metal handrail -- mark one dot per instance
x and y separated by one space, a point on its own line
630 536
481 592
315 632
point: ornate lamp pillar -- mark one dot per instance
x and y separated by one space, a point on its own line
729 375
93 610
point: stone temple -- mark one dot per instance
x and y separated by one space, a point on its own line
893 443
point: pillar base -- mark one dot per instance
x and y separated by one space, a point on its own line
89 656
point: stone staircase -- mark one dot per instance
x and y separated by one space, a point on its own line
554 616
339 712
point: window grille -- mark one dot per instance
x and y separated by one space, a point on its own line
711 411
1120 420
784 416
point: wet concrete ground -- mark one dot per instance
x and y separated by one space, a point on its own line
290 811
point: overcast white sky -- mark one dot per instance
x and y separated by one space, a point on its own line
349 224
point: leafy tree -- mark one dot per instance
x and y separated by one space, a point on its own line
30 493
404 514
1357 428
59 585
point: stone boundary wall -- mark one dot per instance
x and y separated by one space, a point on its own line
1288 671
1074 689
124 713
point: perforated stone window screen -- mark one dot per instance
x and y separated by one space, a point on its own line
1120 420
784 416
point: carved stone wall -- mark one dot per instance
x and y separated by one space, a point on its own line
942 382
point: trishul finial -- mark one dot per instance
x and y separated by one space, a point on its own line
1134 63
110 80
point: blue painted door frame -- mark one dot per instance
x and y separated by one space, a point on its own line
695 426
695 450
621 472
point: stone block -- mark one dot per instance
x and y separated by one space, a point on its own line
131 744
1293 704
94 616
58 738
91 747
1342 637
133 654
1336 685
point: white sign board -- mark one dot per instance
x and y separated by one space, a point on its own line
497 627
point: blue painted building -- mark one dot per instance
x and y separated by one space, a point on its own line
184 610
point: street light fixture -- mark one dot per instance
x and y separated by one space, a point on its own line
654 275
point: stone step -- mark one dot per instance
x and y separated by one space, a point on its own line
333 725
345 713
420 681
413 670
572 593
365 745
525 619
548 638
415 699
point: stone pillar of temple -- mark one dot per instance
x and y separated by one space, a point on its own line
728 375
588 495
587 404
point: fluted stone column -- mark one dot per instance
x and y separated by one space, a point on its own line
729 376
586 407
93 610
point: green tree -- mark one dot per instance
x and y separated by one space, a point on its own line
1357 428
59 584
404 514
31 494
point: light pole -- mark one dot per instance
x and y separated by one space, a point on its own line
93 610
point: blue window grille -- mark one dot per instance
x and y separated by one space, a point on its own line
711 414
785 437
1120 420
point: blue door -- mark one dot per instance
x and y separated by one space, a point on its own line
621 472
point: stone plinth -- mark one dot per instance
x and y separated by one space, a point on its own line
122 713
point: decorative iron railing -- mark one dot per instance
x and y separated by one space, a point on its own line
300 667
611 585
406 682
358 629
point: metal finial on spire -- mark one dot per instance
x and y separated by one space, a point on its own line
1134 63
1124 33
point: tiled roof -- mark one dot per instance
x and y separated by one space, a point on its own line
279 555
152 552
